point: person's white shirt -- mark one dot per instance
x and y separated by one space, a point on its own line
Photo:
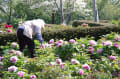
32 27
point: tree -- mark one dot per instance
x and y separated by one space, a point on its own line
96 17
7 7
65 8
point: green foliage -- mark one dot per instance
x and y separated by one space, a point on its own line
65 51
66 33
42 68
15 22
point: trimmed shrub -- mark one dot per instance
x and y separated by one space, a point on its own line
80 32
90 23
7 37
66 33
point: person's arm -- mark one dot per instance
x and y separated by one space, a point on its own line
39 37
39 34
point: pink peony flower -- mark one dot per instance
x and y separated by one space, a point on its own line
60 41
117 45
33 77
52 64
14 44
12 51
59 44
81 72
9 30
117 37
103 42
83 46
46 45
1 63
14 59
108 43
86 66
21 73
1 58
58 61
61 65
19 53
91 49
74 61
92 42
12 69
72 41
41 46
51 41
56 43
100 50
51 45
84 24
112 57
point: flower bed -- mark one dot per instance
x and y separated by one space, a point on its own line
77 58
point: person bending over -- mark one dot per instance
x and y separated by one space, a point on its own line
25 32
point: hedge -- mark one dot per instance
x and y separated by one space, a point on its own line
67 33
90 23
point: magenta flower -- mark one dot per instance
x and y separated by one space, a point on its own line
41 46
84 24
74 61
91 49
92 42
12 51
14 44
60 41
12 69
52 64
19 53
72 41
14 59
61 65
1 58
100 50
8 26
1 63
81 72
46 45
59 44
112 57
117 37
56 43
33 77
86 66
117 45
83 46
51 41
9 30
58 61
21 73
108 43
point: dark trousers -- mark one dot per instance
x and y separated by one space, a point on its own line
24 40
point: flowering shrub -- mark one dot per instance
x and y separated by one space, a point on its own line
80 58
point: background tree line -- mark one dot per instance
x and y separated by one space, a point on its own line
63 11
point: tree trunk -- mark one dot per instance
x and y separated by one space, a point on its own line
53 17
62 14
95 11
10 13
